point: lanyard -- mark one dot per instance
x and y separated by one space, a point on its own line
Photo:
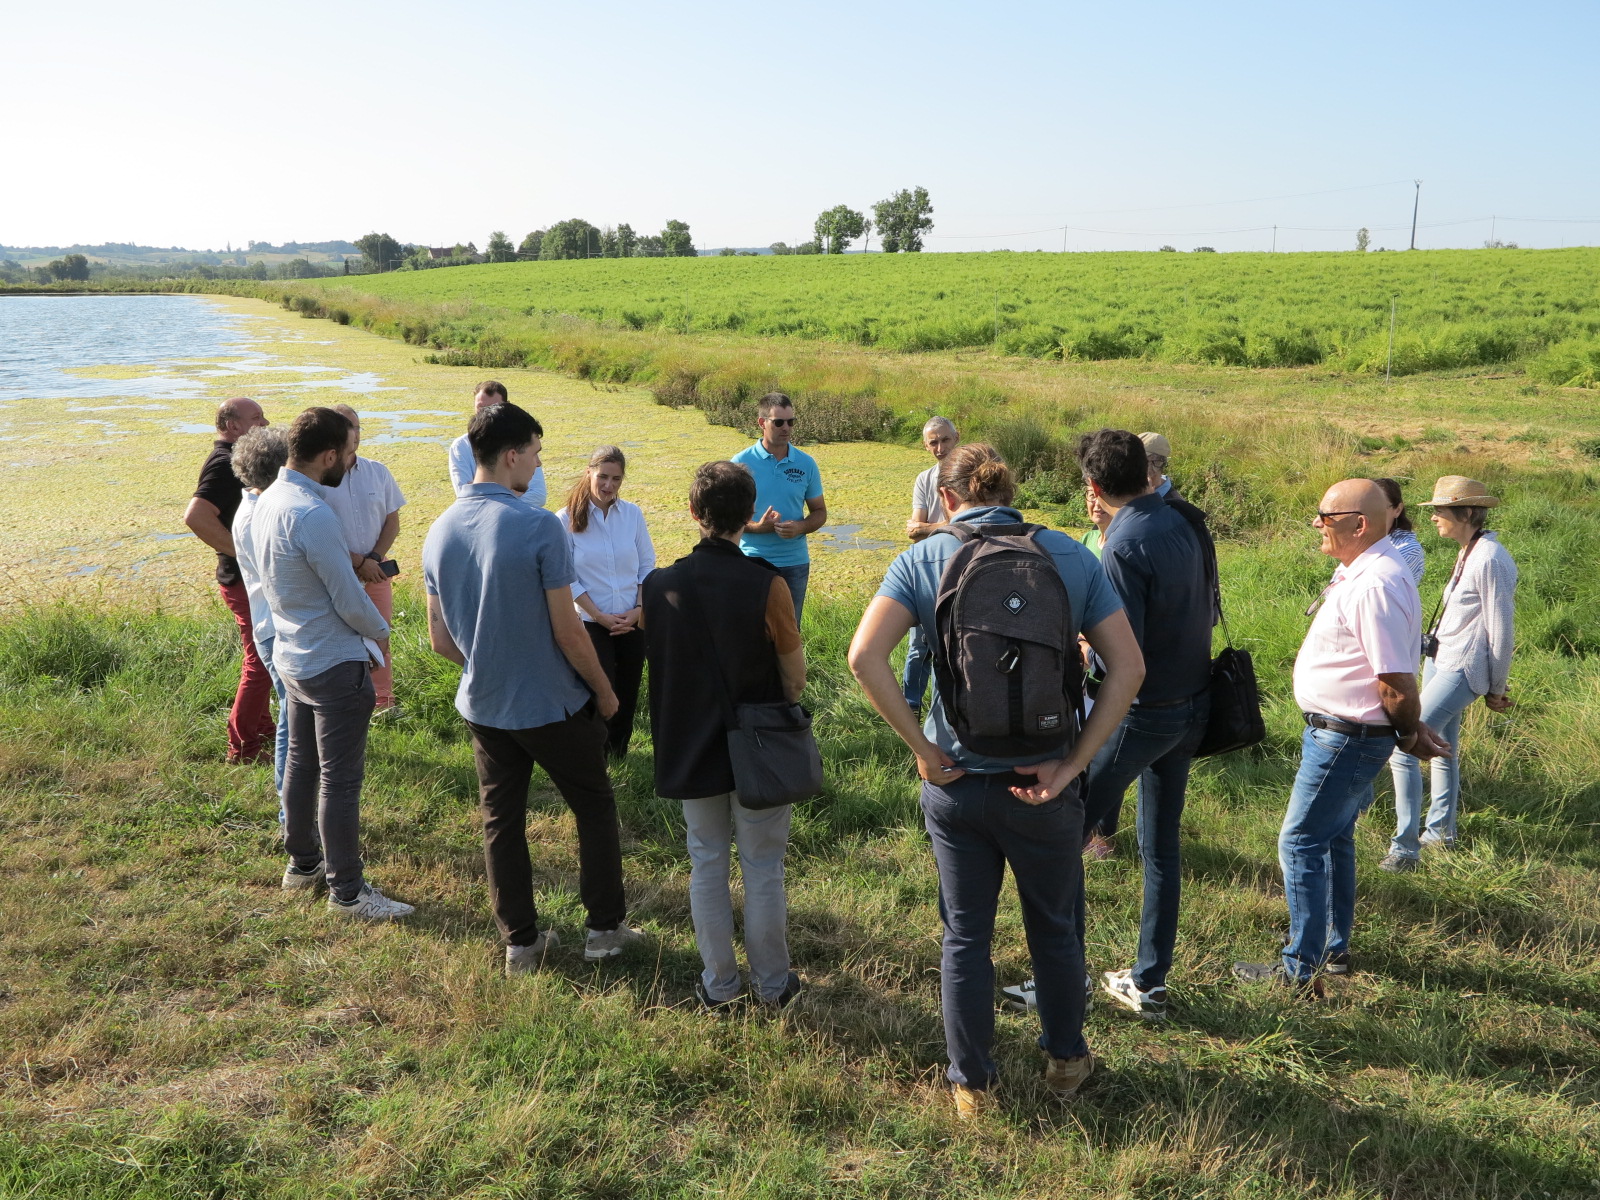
1450 589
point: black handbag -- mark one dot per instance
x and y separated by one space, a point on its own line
771 746
1235 721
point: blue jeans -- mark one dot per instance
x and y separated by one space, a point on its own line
1154 746
919 665
1316 846
796 577
280 752
1445 697
977 826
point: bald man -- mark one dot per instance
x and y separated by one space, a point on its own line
252 733
1355 681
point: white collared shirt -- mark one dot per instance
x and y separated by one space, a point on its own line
611 557
462 470
1369 624
363 501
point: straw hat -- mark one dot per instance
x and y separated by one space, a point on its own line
1454 491
1155 444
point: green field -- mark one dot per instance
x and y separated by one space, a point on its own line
1455 308
172 1025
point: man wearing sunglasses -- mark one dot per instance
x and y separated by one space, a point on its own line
789 499
1355 680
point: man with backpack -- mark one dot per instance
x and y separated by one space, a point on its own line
1000 754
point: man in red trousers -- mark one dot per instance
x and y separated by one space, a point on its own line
251 730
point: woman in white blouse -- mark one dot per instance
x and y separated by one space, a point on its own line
611 555
1469 655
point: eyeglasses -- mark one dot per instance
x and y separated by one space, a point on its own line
1325 517
781 421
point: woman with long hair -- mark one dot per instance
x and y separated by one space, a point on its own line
611 555
1467 654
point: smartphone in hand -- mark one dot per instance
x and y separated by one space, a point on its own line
389 567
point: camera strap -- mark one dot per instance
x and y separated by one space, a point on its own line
1450 589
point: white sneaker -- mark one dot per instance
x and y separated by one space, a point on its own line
525 960
1151 1005
296 880
1022 997
370 904
610 942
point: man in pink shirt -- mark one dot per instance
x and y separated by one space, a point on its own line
1355 680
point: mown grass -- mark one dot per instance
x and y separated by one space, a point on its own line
173 1025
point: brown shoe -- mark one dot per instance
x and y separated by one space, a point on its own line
1064 1076
972 1103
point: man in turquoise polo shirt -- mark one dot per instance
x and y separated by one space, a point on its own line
788 497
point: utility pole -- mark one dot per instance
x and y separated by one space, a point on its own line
1064 229
1274 239
1416 203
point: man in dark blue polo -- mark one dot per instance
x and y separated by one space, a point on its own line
1162 568
789 503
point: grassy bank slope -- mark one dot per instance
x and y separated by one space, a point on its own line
1456 307
171 1025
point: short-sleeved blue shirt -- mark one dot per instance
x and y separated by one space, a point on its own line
784 484
489 559
913 583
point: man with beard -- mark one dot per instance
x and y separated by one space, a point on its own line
323 618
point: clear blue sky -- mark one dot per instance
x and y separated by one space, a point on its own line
200 123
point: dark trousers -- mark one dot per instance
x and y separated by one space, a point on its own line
977 827
572 753
328 717
252 732
622 659
1155 746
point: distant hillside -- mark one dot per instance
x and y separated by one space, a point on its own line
129 254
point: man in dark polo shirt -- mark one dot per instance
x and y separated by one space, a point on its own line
1162 568
251 730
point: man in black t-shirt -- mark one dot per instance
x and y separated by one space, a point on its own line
251 730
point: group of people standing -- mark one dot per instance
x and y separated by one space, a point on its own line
552 617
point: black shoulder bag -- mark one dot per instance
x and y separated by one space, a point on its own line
1235 722
773 751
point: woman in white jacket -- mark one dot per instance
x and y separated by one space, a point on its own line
1469 655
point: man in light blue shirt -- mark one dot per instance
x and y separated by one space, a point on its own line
320 615
984 814
498 573
788 497
462 466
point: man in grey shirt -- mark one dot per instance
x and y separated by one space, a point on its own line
322 615
927 518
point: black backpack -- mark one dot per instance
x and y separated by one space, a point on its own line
1005 657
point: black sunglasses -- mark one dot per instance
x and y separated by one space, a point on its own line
1326 517
782 420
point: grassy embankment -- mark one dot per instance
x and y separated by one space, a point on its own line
174 1026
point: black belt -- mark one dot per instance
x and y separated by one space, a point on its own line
1161 703
1349 728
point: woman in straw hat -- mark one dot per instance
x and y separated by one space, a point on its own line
1468 654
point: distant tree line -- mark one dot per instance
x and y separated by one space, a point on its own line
901 220
575 238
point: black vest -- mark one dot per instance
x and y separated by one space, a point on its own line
713 593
